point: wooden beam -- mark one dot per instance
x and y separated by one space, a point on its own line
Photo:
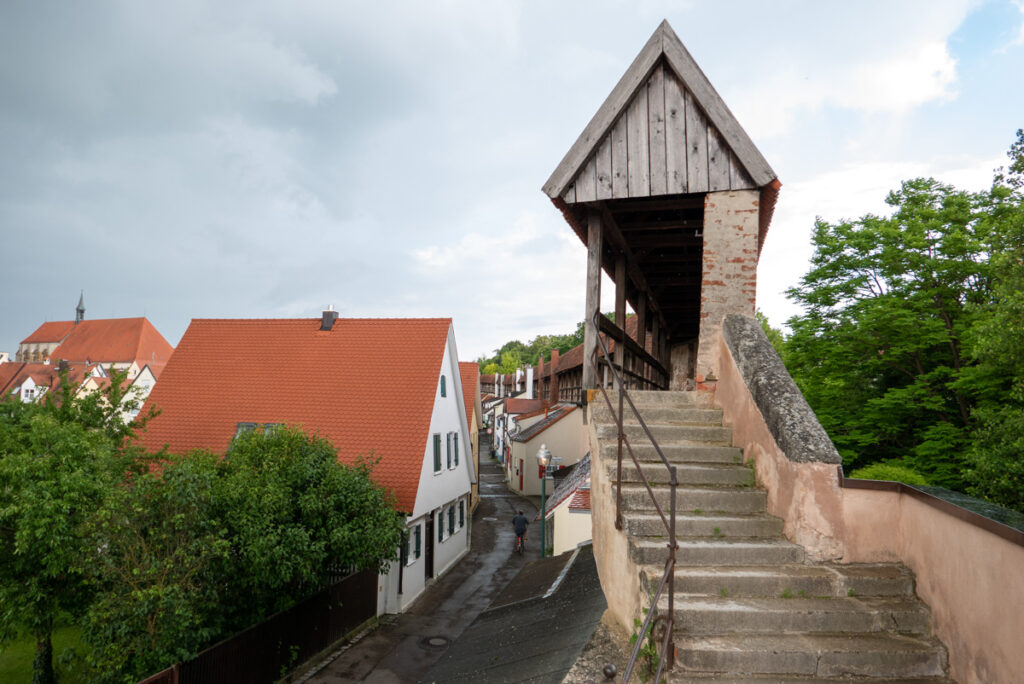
593 298
641 320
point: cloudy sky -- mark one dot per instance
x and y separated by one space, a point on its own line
265 159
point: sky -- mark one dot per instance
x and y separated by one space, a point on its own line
268 159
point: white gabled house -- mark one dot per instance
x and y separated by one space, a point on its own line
385 388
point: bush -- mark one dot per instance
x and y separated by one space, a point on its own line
894 470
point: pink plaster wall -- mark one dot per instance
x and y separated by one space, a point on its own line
969 577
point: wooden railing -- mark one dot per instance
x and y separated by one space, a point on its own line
639 369
602 360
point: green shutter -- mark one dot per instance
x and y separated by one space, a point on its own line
444 389
419 544
440 526
462 513
451 520
448 443
455 438
437 453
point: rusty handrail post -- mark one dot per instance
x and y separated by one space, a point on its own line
672 546
618 483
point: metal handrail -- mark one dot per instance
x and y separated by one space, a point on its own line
668 578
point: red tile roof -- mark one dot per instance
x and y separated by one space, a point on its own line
51 331
580 500
12 375
469 371
114 340
366 385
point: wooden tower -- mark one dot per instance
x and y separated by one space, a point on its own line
673 201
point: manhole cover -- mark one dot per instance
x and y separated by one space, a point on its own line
434 643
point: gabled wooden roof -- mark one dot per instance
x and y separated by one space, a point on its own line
663 130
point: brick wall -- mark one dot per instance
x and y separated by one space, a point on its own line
729 278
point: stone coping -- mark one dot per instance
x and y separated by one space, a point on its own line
787 414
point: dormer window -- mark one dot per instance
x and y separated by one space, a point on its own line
444 388
242 428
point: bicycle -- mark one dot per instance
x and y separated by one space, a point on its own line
520 543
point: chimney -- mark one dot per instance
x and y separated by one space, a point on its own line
529 382
553 399
330 315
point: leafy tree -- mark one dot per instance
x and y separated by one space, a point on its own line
210 545
161 554
291 511
59 460
994 344
774 335
879 353
54 475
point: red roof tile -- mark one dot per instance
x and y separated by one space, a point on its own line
114 340
51 331
580 500
469 371
366 385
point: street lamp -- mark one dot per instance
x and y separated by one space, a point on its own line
543 458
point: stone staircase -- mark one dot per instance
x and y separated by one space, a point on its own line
748 604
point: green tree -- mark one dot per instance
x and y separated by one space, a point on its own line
879 353
209 545
994 343
774 335
54 475
161 554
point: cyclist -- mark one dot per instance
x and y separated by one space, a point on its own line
519 523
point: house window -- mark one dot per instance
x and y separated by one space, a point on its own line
417 541
451 520
437 452
448 443
242 428
444 387
462 514
455 447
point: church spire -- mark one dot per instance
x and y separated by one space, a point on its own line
80 309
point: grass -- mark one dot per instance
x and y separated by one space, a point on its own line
16 658
787 593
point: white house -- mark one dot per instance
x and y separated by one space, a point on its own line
389 389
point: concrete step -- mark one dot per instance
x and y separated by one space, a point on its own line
675 453
709 616
665 434
793 580
833 656
727 474
694 500
660 415
714 552
707 525
709 678
654 398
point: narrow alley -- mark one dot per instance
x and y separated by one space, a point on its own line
404 646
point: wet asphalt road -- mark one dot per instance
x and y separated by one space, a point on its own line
398 651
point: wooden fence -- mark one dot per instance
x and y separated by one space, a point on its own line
267 651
